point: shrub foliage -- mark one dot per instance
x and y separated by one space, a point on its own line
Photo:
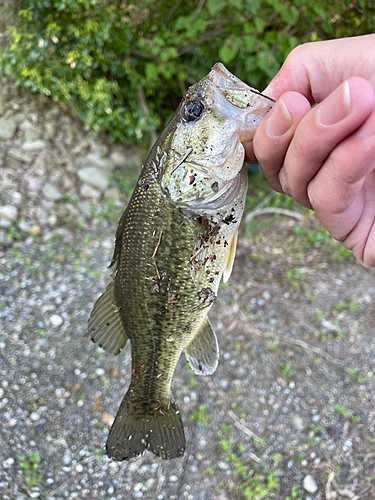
123 66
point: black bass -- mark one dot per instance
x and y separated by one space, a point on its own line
175 241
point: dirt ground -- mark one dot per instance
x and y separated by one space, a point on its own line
289 413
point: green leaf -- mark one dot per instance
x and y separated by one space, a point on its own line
291 16
215 6
227 53
151 70
236 3
259 24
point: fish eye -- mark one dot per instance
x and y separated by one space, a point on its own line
192 111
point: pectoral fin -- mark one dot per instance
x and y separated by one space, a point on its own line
203 351
105 323
230 257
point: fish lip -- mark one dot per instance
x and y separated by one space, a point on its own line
235 90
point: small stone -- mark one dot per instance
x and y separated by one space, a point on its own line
19 156
8 127
7 464
51 192
297 423
12 422
85 209
93 160
329 325
1 392
31 131
118 159
41 214
89 192
34 184
223 466
173 479
8 212
150 483
67 459
309 484
79 467
35 145
241 372
56 320
100 372
112 193
266 295
94 177
34 416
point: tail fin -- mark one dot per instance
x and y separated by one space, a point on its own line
135 429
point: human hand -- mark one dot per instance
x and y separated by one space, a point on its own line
324 157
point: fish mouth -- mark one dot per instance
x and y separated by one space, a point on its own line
239 101
235 91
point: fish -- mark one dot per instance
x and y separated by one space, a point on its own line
174 243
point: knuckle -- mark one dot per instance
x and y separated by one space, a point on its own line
284 182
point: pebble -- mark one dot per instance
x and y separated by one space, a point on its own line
329 325
34 146
56 320
8 213
8 127
297 423
223 466
309 484
51 192
19 156
266 295
7 464
89 192
31 131
92 160
112 193
94 177
118 159
34 416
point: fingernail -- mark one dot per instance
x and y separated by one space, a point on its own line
368 128
335 107
279 121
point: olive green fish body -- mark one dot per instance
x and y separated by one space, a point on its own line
174 242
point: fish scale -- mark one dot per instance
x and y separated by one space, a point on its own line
175 241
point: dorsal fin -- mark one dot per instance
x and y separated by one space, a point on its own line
117 249
230 257
203 351
105 323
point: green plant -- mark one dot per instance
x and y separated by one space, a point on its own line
200 416
286 370
30 465
295 494
354 375
124 66
342 411
318 316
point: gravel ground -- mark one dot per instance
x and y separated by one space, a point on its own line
289 413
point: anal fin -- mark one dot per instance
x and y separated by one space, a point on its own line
202 353
230 257
105 323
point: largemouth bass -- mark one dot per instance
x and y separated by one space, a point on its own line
174 242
